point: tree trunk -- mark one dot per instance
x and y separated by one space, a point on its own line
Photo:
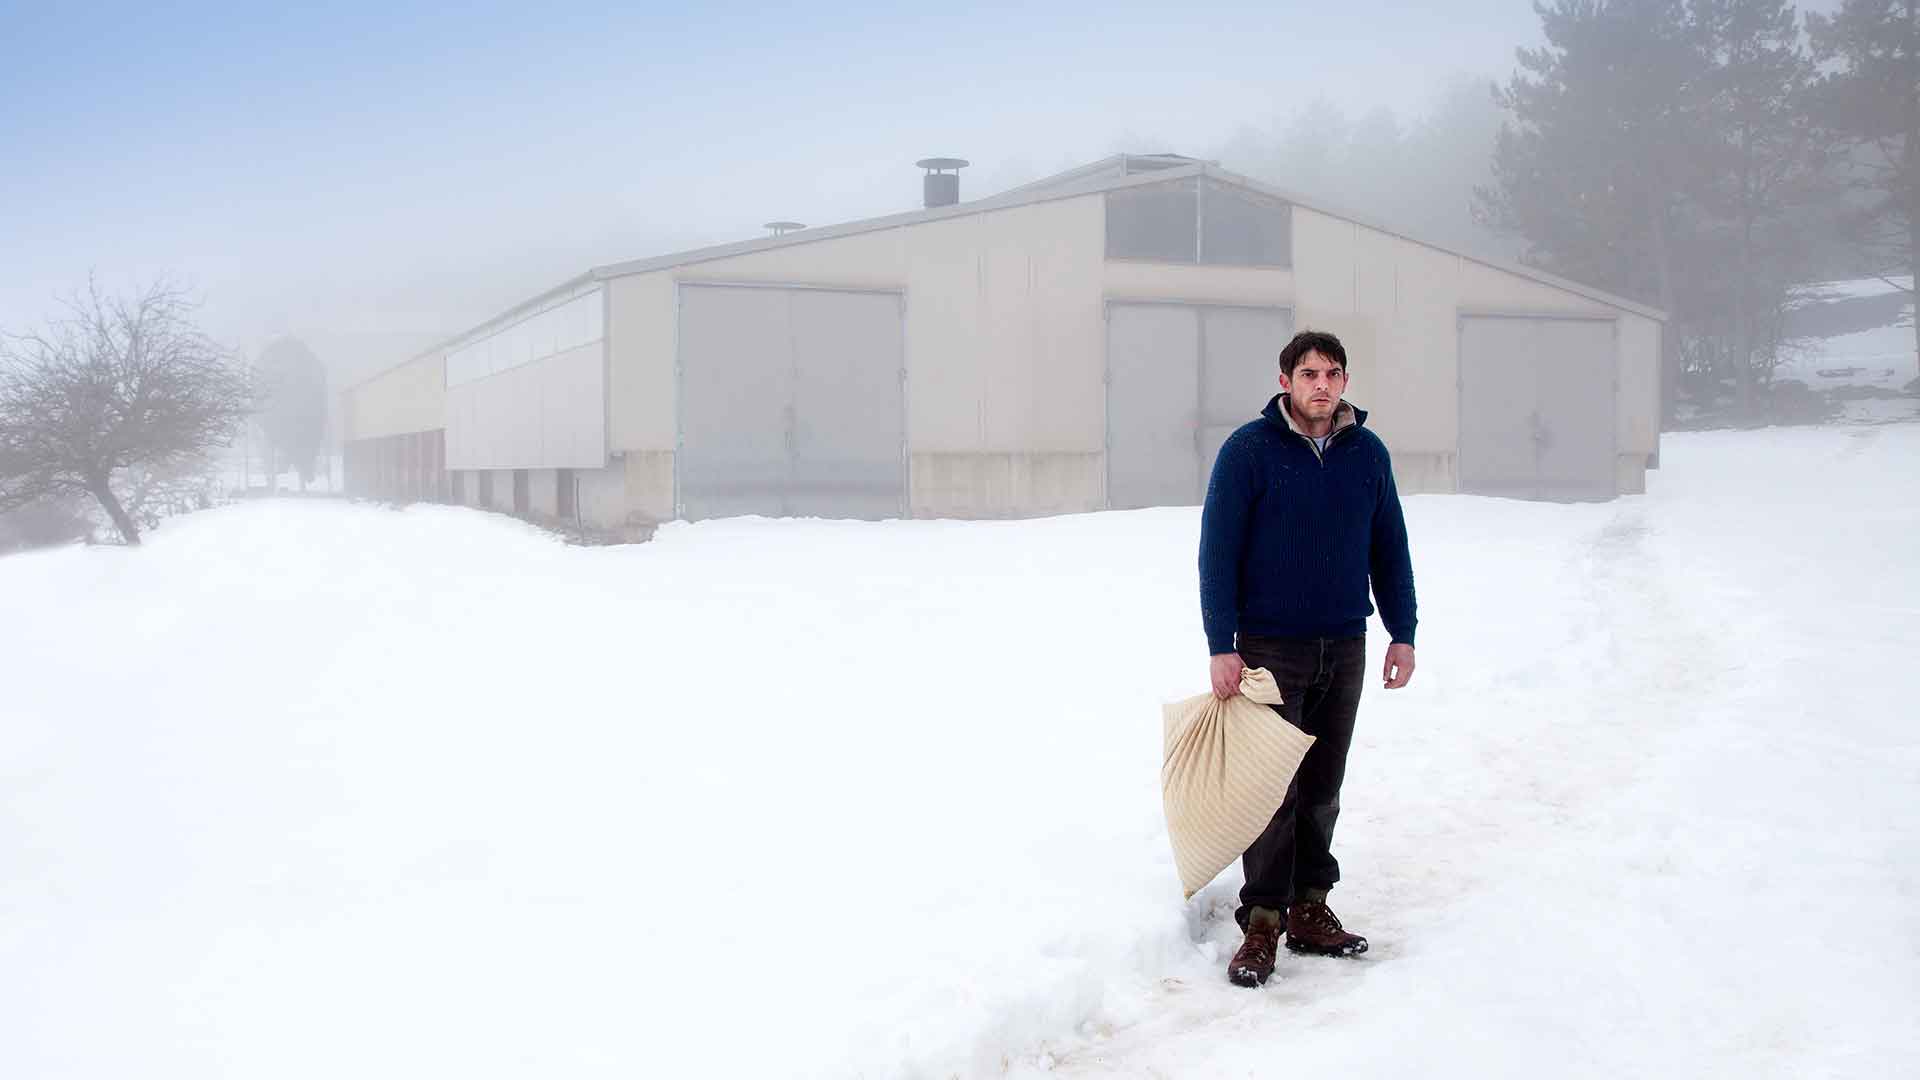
103 492
1909 173
1913 268
1743 323
1669 342
1743 283
1910 170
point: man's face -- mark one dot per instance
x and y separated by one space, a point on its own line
1315 388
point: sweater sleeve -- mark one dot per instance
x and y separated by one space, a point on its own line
1223 538
1390 563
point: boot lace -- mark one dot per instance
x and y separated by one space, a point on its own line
1260 945
1320 917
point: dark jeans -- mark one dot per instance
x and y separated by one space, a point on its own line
1320 679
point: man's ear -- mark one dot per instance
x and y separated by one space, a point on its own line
1284 388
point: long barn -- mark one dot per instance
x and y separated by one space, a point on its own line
1081 343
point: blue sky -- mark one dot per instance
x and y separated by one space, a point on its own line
386 170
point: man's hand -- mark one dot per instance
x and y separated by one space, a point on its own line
1399 666
1225 673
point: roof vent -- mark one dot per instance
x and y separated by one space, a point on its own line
782 228
942 183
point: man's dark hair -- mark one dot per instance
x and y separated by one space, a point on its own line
1307 341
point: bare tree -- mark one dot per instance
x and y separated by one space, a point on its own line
119 391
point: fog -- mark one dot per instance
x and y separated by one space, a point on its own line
425 728
373 181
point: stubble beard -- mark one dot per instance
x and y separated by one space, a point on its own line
1315 410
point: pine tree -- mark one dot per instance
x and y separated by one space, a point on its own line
1765 163
1595 168
293 413
1873 100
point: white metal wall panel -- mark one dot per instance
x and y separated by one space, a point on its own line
410 397
1153 405
1537 407
791 402
547 414
573 411
1240 371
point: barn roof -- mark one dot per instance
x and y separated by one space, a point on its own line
1107 174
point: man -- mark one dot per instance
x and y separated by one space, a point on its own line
1301 512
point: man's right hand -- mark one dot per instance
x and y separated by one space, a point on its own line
1225 672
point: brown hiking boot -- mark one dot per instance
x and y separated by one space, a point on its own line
1312 928
1254 962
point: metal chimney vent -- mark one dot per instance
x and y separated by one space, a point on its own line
782 228
942 183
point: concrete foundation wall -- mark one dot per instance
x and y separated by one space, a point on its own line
1422 473
543 492
1631 474
969 485
502 490
648 477
636 489
603 496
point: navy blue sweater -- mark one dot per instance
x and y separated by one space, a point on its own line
1290 536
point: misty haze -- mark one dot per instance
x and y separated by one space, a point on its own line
1106 541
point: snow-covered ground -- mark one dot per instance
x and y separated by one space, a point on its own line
1878 359
308 789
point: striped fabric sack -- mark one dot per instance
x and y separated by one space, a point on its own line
1226 770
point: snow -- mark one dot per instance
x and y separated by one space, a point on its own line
1859 287
1880 357
306 788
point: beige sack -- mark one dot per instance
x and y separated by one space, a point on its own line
1226 771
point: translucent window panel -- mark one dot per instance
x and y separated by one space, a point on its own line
543 335
520 351
1158 222
575 323
1244 228
595 304
459 367
571 325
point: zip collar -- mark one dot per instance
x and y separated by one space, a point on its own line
1279 413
